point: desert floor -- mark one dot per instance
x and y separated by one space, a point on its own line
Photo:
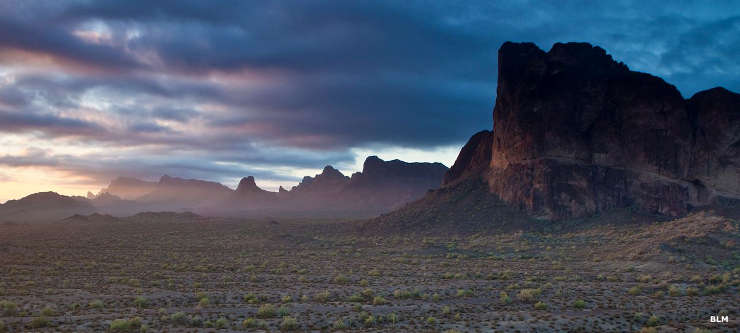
183 273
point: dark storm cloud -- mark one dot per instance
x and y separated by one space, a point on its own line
12 122
316 78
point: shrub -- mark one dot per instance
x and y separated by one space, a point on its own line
48 312
283 311
712 289
464 293
266 311
141 302
692 291
322 297
528 295
254 323
180 318
289 324
504 297
196 321
340 324
431 320
356 298
9 308
251 298
204 302
393 318
674 291
636 290
96 304
124 326
579 304
221 323
287 299
2 327
540 306
648 330
39 322
341 279
379 300
652 321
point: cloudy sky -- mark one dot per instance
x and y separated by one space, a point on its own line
94 89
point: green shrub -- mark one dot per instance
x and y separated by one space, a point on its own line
141 302
464 293
9 308
96 304
283 311
431 320
674 291
355 298
652 321
636 290
180 318
39 322
341 279
504 297
221 323
254 323
126 326
692 291
528 295
289 324
379 300
340 324
712 289
286 299
579 304
266 311
204 302
322 296
48 312
393 318
540 306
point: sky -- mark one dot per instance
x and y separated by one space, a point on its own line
219 90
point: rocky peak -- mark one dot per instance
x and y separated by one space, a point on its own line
473 159
248 185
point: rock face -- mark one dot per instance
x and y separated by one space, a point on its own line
474 158
576 133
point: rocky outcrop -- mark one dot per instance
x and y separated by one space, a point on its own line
330 180
474 158
576 133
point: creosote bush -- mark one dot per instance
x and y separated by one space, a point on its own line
126 325
289 324
266 311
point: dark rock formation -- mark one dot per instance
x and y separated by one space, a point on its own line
576 133
330 180
474 158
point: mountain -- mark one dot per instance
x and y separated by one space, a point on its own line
44 207
576 133
129 188
380 187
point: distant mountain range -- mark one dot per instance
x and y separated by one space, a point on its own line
380 187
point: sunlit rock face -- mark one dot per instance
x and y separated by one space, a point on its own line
576 133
